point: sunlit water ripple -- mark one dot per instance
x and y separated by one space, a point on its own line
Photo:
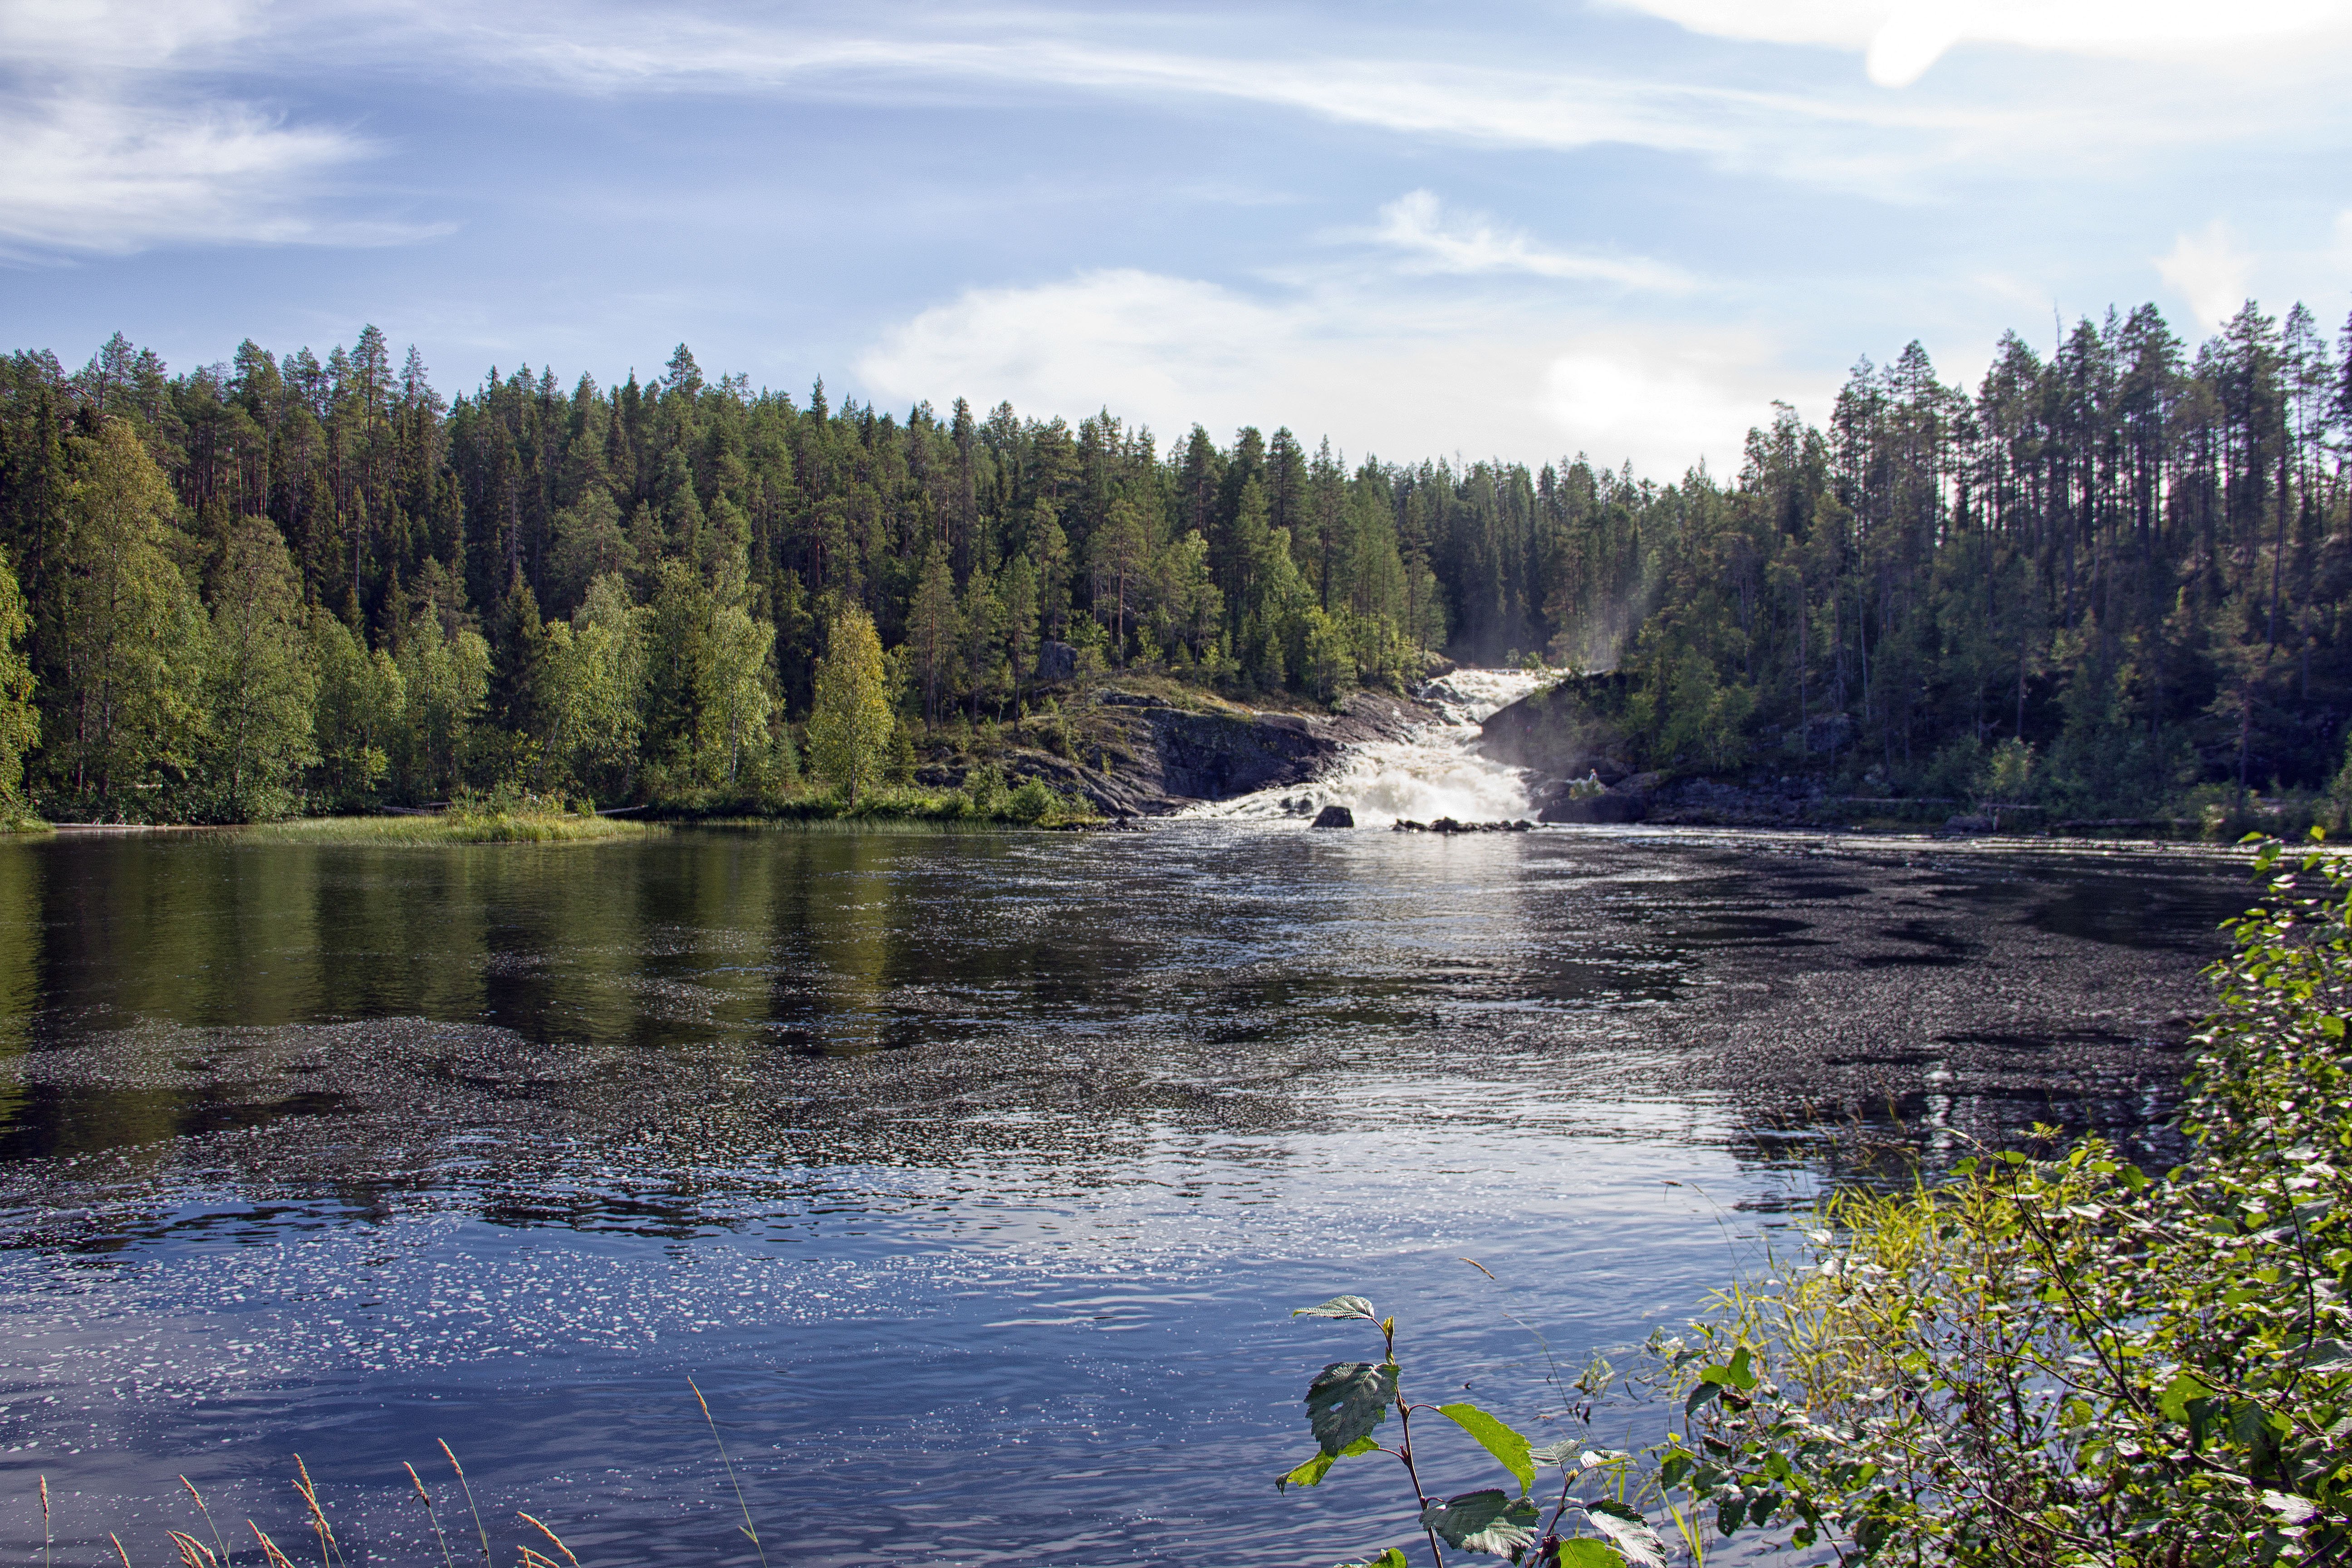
973 1177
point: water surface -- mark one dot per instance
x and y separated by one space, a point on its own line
973 1176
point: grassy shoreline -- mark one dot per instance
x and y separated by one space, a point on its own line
455 826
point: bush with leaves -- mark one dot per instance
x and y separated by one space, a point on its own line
2055 1358
1350 1401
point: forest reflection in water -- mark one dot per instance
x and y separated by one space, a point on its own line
985 1163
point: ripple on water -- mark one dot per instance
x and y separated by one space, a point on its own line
973 1177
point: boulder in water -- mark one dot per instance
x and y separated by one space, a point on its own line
1335 816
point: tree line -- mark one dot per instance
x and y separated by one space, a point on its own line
282 583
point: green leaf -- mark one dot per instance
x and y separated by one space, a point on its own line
2173 1400
1510 1449
1589 1553
1489 1521
1339 1307
1391 1558
1628 1530
1347 1401
1707 1393
1316 1469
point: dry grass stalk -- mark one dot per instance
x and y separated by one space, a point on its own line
533 1559
270 1556
194 1554
430 1512
543 1529
46 1535
217 1543
746 1526
468 1486
118 1548
331 1551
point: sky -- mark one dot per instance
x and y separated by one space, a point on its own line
1524 230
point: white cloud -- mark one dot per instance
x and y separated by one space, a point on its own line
1900 39
2208 270
85 35
1418 224
1857 140
111 149
1422 377
94 174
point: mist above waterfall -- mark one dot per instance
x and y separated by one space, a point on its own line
1431 772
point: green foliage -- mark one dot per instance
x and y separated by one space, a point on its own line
850 725
127 636
261 688
1933 572
20 721
2065 1360
1348 1404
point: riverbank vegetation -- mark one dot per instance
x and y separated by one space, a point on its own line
2107 581
2055 1358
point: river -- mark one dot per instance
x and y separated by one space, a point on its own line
972 1177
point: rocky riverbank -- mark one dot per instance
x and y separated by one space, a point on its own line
1147 746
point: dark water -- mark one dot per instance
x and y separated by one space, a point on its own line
973 1177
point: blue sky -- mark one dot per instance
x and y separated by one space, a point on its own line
1520 230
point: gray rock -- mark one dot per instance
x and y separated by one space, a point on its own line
1596 808
1335 816
1056 662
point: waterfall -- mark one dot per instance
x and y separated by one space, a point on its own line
1431 772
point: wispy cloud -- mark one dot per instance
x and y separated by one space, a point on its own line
115 145
1436 240
92 173
1900 39
2209 269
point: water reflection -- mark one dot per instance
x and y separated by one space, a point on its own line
980 1164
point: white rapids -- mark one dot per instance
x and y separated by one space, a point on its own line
1432 772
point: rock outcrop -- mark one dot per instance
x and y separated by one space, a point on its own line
1335 816
1134 750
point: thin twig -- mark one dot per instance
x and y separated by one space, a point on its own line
748 1526
118 1548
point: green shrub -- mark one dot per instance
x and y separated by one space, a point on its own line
2065 1360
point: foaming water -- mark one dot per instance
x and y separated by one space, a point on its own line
1432 772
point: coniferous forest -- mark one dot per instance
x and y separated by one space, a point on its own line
2115 575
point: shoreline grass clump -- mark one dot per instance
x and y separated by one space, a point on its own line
502 817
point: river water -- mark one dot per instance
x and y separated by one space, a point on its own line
972 1177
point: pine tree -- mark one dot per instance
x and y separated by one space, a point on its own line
933 631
